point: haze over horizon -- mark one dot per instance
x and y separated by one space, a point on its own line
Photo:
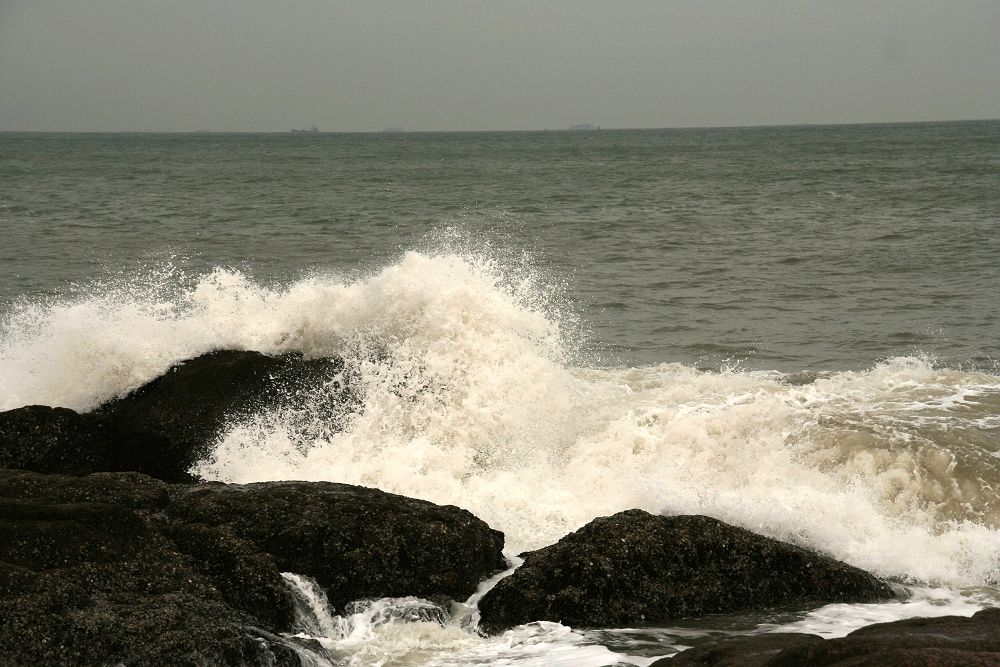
222 65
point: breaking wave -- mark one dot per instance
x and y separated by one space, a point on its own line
473 394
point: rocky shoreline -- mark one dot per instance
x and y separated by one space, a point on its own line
110 553
122 567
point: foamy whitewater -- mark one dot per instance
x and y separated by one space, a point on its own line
474 394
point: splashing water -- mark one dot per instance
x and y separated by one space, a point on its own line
411 631
470 397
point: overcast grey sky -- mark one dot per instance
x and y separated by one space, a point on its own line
506 64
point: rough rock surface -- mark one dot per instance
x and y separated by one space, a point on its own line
165 426
121 567
355 541
92 583
635 567
945 641
192 402
131 489
59 440
247 579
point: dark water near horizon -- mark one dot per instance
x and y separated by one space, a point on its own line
778 247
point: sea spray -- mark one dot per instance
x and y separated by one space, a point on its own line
469 395
791 461
413 631
79 351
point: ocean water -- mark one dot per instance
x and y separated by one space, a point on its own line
792 329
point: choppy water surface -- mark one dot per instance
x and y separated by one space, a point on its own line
792 248
790 329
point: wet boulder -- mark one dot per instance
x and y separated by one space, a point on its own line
192 403
635 567
122 568
133 490
246 577
164 427
58 440
944 641
95 583
356 542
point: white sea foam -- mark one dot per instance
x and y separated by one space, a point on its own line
470 397
411 631
838 620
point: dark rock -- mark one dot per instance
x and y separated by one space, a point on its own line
354 541
43 536
634 568
133 490
945 641
44 439
116 567
753 651
167 425
247 578
93 583
191 403
59 440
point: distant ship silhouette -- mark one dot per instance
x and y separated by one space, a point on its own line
311 130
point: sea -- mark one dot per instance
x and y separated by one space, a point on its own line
793 329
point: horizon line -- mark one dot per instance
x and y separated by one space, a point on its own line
584 130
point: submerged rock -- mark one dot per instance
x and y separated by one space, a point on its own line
945 641
167 425
635 567
755 651
355 541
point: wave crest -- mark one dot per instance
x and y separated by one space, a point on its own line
470 397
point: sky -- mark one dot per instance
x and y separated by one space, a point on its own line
254 65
